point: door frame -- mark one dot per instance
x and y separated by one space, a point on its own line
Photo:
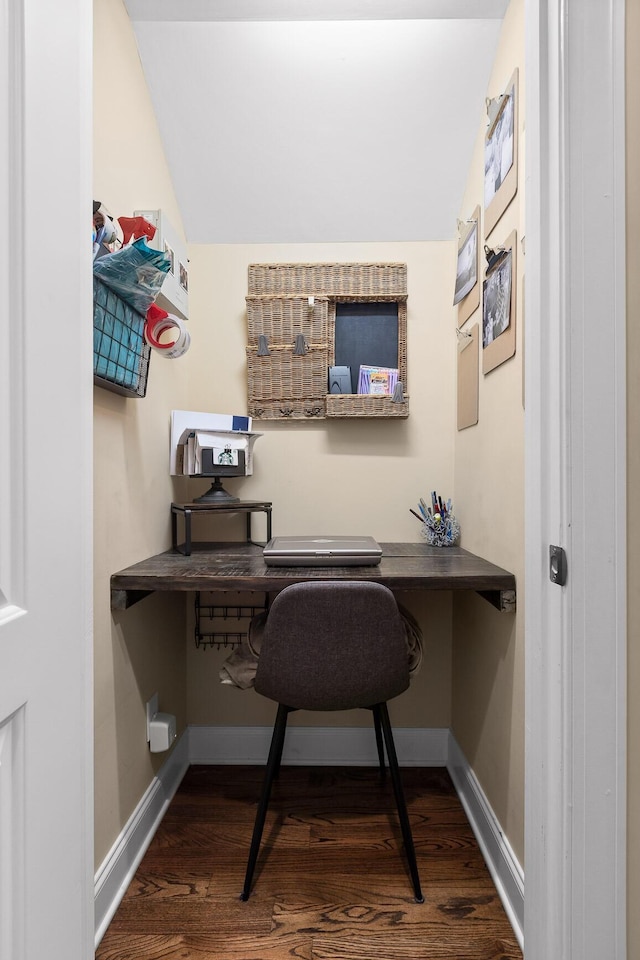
575 448
575 710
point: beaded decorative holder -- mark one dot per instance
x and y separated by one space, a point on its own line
441 532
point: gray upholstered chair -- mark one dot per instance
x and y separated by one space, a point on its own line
332 645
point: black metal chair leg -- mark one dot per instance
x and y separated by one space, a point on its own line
379 743
273 764
276 772
405 826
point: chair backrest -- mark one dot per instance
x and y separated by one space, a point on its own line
333 645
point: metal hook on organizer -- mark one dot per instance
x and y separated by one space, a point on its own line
301 346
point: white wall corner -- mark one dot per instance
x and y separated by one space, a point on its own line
505 870
119 866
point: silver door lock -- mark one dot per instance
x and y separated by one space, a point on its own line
557 565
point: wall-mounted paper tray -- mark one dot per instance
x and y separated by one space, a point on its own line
121 355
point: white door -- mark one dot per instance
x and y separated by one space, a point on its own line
46 837
575 493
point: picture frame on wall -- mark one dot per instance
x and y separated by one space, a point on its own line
467 288
499 304
501 154
497 300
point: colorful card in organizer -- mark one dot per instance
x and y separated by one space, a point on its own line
377 381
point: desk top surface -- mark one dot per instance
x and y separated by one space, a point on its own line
240 566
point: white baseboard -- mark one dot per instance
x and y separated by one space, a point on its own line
320 746
505 870
435 747
120 864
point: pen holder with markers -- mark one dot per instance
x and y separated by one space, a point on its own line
439 525
441 531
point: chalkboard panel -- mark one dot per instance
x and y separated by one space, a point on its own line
366 333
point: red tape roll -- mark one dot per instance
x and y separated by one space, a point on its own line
154 330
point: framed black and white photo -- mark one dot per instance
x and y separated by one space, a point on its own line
467 267
501 155
499 307
467 289
496 313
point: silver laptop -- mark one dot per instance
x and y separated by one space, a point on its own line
322 552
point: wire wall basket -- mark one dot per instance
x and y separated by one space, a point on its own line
121 355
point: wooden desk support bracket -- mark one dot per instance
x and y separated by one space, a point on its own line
123 599
502 600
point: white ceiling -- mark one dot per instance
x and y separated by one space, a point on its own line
317 120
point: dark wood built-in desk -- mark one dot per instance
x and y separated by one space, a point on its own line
241 567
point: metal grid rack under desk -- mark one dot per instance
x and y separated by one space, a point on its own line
211 622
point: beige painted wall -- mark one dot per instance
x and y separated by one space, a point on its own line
488 647
633 471
335 475
141 651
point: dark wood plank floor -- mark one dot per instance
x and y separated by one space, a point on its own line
331 881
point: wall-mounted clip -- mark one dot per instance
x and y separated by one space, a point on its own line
263 345
464 224
494 108
494 256
301 346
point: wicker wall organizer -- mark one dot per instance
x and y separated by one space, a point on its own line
283 318
287 356
362 280
291 318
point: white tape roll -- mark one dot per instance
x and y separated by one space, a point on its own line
154 329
